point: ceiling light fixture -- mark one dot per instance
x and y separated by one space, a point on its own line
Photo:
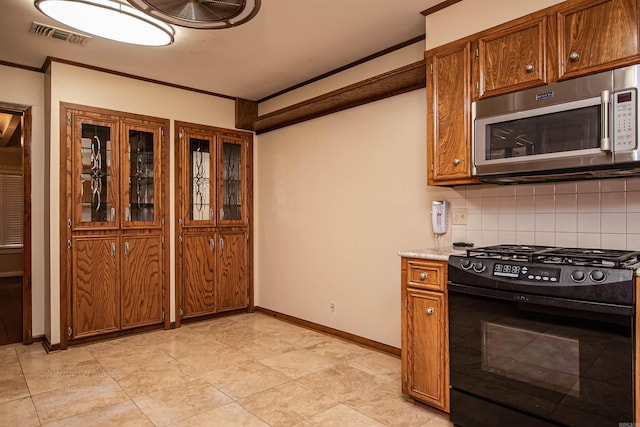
109 19
201 14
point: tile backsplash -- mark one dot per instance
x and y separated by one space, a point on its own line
590 214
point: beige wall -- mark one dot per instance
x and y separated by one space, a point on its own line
23 87
93 88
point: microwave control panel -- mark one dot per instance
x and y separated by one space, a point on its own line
624 120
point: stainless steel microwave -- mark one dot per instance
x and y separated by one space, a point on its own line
575 129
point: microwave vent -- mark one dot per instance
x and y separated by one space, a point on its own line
59 34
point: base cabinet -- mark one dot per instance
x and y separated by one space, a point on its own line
425 338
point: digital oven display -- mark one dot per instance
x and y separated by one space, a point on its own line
524 272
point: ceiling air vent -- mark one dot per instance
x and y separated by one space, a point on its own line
59 34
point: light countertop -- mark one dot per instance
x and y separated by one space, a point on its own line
441 254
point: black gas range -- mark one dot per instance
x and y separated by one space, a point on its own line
598 275
542 336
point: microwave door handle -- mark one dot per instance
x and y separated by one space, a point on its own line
605 141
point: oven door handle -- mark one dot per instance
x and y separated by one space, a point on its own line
561 303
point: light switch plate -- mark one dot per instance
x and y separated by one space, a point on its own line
459 216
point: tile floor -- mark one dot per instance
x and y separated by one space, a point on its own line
241 370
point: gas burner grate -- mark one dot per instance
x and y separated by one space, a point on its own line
511 252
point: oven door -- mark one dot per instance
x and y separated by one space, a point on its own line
566 362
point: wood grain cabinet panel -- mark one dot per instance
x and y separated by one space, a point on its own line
232 271
597 35
449 114
199 275
142 292
95 286
512 59
425 332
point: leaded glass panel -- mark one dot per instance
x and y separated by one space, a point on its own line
141 176
231 182
200 180
96 175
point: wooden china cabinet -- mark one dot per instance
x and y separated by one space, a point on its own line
214 230
114 207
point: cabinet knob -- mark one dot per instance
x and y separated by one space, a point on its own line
574 56
457 161
529 68
423 275
430 310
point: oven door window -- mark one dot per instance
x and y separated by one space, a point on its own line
564 366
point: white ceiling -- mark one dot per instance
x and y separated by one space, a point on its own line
288 42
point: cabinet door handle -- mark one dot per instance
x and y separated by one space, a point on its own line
529 68
430 310
126 214
221 244
574 56
221 214
113 250
423 275
457 161
113 214
212 245
126 249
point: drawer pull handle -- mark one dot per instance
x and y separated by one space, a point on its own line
529 68
574 56
423 275
430 310
457 161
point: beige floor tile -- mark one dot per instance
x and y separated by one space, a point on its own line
13 387
244 380
236 334
179 345
387 406
221 358
339 416
19 413
298 363
59 361
171 375
383 366
9 362
230 414
439 421
166 406
70 376
122 414
341 382
305 338
287 404
71 401
211 325
123 362
267 345
339 349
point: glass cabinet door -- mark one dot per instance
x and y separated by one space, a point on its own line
94 182
231 192
141 186
200 173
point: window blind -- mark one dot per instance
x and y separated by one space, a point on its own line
11 216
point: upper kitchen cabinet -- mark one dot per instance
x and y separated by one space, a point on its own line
596 35
198 176
449 114
512 58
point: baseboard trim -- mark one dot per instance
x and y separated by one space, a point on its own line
48 347
375 345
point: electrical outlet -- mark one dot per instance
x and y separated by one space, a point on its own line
332 307
459 216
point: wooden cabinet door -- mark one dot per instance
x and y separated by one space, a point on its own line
95 286
427 347
141 171
94 178
198 274
449 114
597 35
142 292
232 271
232 180
512 59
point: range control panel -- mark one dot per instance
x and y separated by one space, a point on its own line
524 272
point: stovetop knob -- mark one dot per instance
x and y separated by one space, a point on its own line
479 267
597 275
578 275
466 263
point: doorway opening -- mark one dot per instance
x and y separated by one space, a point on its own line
15 226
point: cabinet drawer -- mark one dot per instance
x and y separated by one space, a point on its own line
427 274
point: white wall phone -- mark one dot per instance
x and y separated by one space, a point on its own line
439 215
